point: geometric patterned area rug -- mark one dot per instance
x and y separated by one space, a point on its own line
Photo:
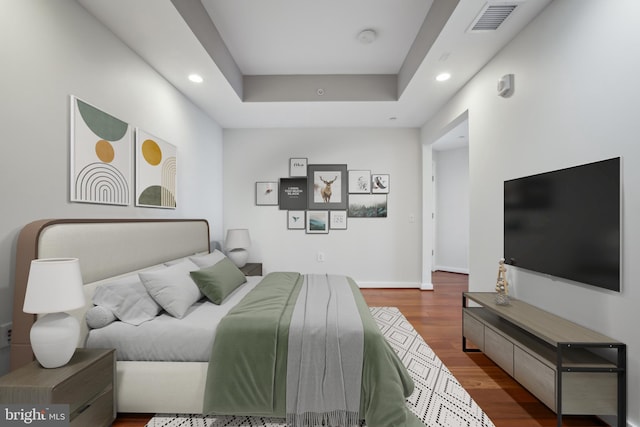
438 398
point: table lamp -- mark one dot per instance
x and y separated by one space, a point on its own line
54 286
237 243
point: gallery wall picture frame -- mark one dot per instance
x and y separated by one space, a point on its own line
267 193
298 166
338 220
359 181
293 193
296 220
367 206
317 222
327 185
101 151
380 183
156 172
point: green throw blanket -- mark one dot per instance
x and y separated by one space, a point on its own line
248 365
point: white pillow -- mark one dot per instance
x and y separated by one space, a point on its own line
172 287
128 299
209 259
99 317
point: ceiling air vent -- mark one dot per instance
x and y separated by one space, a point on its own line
492 16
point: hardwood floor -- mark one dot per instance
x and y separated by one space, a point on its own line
437 316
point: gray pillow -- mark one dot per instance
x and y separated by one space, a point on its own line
209 259
128 299
99 317
173 262
219 280
172 287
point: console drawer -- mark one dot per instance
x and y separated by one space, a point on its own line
589 393
473 330
535 376
499 349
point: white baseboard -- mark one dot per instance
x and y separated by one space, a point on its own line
612 421
451 269
395 285
428 286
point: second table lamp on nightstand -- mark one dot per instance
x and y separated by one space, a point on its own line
54 286
237 245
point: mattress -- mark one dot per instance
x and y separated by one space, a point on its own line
166 338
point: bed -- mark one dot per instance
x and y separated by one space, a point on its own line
112 249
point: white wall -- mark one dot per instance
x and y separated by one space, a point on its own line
575 101
50 50
452 210
374 251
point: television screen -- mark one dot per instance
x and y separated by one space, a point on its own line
566 223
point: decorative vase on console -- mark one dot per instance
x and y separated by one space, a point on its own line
502 285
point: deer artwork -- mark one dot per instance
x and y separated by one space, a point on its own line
326 190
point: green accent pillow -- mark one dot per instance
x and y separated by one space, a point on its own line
219 280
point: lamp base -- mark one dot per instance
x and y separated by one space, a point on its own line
54 338
238 257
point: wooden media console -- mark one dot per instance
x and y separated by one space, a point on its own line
571 369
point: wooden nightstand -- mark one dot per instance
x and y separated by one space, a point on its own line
86 384
252 269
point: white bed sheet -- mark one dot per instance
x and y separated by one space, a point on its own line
166 338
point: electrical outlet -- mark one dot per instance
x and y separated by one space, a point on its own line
5 334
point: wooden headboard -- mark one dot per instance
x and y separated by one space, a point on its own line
105 247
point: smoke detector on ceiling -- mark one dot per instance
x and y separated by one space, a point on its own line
492 15
367 36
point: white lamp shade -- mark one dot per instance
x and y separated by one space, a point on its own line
54 285
238 238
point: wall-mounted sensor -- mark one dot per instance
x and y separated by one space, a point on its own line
505 85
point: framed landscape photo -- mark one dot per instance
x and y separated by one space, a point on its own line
380 183
359 181
298 166
317 222
293 193
368 206
338 220
266 193
296 220
327 186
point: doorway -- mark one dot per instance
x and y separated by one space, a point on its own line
450 225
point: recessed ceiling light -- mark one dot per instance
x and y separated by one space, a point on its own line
443 77
196 78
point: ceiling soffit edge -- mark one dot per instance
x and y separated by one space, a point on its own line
314 88
197 19
434 22
319 88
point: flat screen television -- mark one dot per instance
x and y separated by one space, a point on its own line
566 223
